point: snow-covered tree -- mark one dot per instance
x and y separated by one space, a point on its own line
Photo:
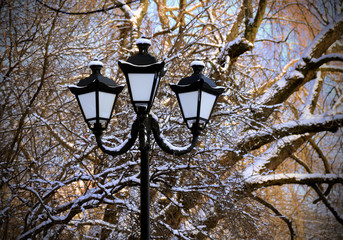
268 166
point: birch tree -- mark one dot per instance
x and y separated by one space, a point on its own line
268 165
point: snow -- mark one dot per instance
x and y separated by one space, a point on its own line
255 167
308 53
313 93
332 68
272 91
143 41
230 44
295 75
197 63
172 147
95 62
331 57
296 176
119 147
138 66
259 162
166 142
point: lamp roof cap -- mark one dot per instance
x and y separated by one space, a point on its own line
143 40
197 63
95 62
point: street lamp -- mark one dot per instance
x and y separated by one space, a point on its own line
97 95
143 74
196 95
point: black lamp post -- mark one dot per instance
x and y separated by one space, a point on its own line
97 94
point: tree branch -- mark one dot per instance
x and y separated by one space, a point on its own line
305 69
314 124
278 214
85 13
261 181
327 204
252 27
317 62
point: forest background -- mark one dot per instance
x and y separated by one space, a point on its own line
268 166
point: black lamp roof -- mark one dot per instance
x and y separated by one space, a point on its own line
96 75
142 57
197 66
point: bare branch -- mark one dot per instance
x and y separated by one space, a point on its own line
278 214
103 9
253 26
327 204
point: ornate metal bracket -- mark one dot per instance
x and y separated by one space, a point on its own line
125 146
167 146
150 124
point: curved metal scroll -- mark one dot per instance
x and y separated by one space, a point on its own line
167 146
125 146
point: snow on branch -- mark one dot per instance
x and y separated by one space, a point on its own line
235 48
309 62
262 181
175 232
331 68
326 37
317 62
313 96
129 14
311 124
274 156
63 213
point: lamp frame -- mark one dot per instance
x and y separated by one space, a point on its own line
96 83
154 68
199 86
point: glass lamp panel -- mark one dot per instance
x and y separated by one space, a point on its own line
141 85
207 102
106 101
88 104
189 103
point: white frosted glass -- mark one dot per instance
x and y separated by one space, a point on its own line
207 102
87 101
141 85
106 101
189 103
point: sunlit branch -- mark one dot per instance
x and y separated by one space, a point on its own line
278 214
327 204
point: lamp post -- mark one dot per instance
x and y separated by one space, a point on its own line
96 96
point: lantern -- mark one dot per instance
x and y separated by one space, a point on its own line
96 96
